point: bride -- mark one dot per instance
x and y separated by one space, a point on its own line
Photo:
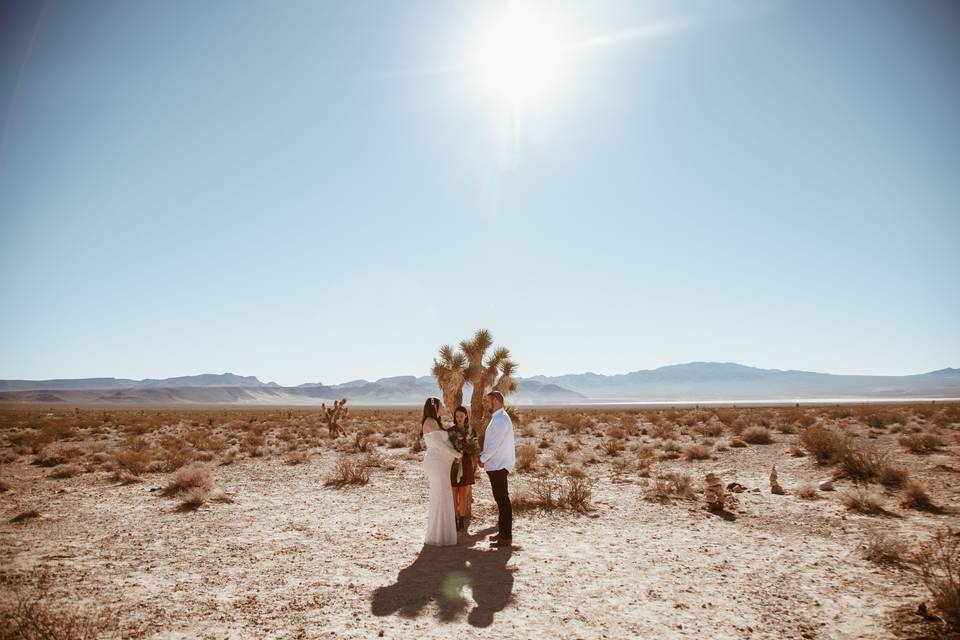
441 522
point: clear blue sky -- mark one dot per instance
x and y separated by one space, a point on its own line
310 191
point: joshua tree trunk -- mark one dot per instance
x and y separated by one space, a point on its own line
455 369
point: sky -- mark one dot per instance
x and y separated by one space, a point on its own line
324 191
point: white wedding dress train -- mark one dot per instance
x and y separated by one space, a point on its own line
441 519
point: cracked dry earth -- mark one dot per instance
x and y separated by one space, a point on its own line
292 558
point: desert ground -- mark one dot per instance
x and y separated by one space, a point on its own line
148 522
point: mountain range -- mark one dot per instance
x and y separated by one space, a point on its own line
691 382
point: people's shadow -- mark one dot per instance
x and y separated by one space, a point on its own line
439 574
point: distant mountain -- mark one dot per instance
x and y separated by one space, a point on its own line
694 382
233 389
731 381
202 380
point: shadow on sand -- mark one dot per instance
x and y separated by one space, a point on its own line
438 574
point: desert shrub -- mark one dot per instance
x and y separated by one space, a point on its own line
526 457
863 463
296 457
884 549
48 458
195 476
670 485
863 501
807 491
361 442
921 443
664 431
696 452
938 563
176 454
193 499
915 496
710 429
573 423
757 435
613 447
562 456
570 492
29 614
66 471
349 470
892 476
739 424
616 432
134 461
825 445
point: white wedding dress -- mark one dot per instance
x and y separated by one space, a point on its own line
441 520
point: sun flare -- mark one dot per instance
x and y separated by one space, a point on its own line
520 58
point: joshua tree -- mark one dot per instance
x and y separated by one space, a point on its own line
331 416
450 372
456 368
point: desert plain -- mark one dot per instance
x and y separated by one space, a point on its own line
224 522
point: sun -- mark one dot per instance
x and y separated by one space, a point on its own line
520 58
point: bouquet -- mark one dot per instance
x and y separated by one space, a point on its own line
464 441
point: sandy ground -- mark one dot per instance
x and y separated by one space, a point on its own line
293 558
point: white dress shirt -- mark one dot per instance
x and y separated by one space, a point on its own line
498 448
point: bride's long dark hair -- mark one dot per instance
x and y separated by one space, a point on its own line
431 409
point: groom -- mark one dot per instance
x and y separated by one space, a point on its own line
497 459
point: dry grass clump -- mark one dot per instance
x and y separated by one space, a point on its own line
938 563
825 445
892 476
884 549
664 431
921 443
757 435
863 501
66 471
807 491
349 470
670 485
696 452
526 457
915 496
570 492
135 459
711 429
613 447
296 457
195 476
29 615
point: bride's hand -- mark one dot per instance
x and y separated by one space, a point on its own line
459 455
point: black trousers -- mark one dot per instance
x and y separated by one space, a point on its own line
498 482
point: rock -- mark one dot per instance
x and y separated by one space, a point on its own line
775 487
736 487
714 493
826 485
